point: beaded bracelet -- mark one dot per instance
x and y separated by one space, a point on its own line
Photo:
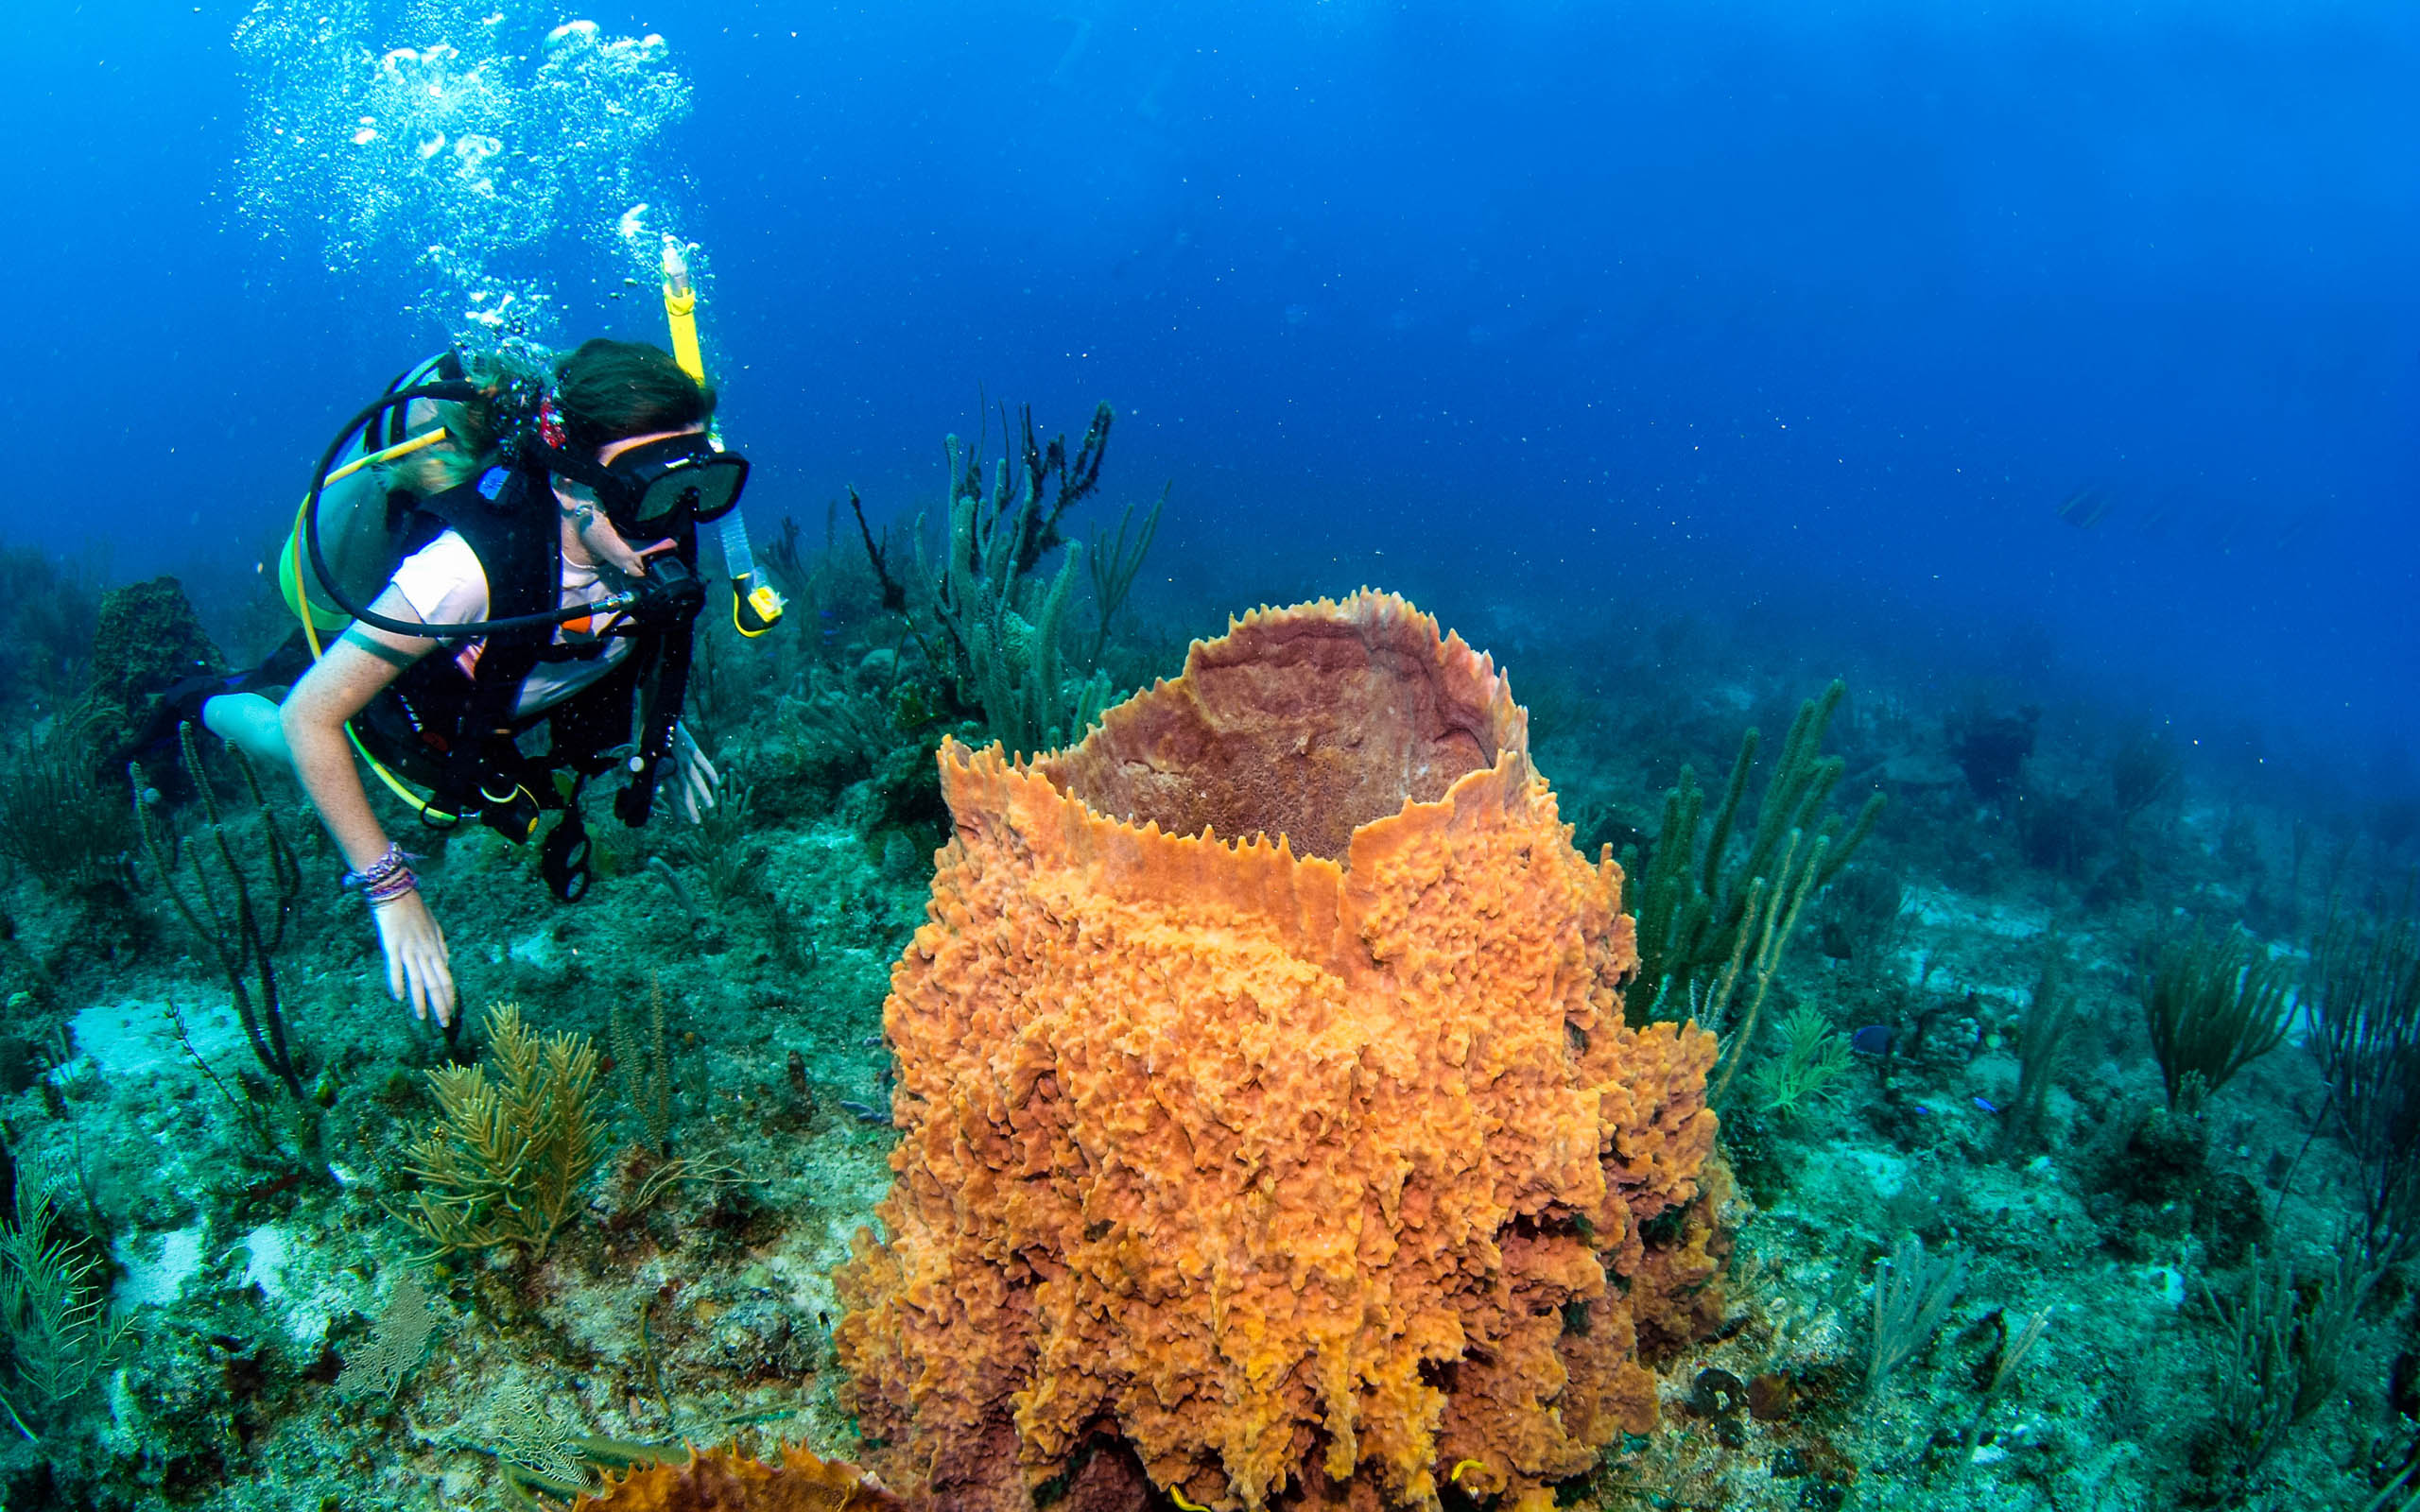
397 883
383 879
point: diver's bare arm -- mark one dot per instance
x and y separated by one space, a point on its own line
356 669
340 686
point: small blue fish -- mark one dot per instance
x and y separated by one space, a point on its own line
870 1117
1985 1105
1874 1039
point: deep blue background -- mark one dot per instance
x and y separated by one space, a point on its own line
1597 309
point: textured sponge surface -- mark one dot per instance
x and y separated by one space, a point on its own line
1301 1175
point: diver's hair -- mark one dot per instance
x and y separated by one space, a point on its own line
472 431
475 429
609 390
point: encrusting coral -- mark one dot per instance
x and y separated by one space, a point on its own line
1297 1162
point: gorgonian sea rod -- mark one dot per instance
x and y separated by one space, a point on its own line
1297 1160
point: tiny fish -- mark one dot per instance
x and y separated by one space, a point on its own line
1874 1039
870 1117
1985 1105
2086 508
871 1040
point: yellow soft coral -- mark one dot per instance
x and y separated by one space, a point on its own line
1295 1162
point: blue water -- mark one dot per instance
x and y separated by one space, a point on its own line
1814 314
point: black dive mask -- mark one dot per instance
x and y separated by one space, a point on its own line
659 488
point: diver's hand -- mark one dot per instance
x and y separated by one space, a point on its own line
695 782
606 545
416 957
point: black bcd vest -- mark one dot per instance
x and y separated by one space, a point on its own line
456 733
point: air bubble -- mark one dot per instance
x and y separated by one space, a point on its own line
428 207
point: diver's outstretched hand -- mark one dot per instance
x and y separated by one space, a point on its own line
416 959
694 786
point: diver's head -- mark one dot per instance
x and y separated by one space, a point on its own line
609 391
623 433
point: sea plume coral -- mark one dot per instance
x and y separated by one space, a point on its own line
1298 1162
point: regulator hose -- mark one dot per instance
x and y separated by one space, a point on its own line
458 393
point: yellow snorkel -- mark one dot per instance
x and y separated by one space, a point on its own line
755 607
680 311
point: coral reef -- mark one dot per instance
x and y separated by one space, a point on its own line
2226 1324
1298 1160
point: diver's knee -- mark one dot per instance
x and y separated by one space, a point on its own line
250 722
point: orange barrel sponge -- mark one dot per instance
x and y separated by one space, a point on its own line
1267 1105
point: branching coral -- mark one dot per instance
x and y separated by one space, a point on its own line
1299 1161
2213 1007
1004 624
56 822
1703 913
56 1331
505 1162
242 933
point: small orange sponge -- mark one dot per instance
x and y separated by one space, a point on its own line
1296 1161
724 1480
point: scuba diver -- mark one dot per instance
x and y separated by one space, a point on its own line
527 548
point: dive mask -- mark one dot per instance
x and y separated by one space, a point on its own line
661 487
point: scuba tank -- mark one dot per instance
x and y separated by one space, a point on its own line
359 524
